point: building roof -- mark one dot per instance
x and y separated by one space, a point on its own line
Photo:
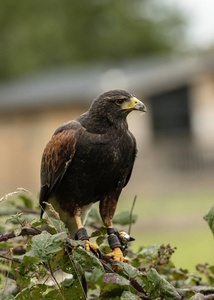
63 86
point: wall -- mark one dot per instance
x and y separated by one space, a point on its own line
23 138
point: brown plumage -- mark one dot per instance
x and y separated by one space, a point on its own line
90 159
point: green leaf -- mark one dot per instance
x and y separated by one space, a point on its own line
28 264
94 276
27 201
96 233
126 269
186 293
209 218
211 268
80 261
57 260
45 245
69 265
149 252
58 225
39 222
74 291
53 295
158 287
126 295
7 297
114 286
77 243
197 297
115 279
105 249
123 218
100 240
35 292
86 259
93 294
203 289
18 218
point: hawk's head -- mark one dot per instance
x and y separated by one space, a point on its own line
115 105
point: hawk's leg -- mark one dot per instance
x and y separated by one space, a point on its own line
82 232
107 210
115 245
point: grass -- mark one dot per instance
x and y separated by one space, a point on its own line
176 220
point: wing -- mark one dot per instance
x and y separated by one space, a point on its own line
132 158
57 157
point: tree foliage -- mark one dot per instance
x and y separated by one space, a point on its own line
30 256
44 33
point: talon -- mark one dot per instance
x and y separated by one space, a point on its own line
90 246
118 255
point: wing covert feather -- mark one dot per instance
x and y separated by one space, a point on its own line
57 156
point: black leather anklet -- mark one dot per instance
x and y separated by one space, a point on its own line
113 241
82 234
111 230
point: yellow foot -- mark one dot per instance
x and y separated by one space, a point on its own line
118 255
92 246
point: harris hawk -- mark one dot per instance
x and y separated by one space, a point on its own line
90 159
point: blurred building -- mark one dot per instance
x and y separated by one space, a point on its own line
175 138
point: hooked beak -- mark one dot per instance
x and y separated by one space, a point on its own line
135 104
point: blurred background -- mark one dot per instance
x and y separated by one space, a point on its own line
56 56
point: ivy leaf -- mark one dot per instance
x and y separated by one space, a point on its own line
209 218
123 218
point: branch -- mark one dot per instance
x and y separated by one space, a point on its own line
24 232
112 262
131 213
10 259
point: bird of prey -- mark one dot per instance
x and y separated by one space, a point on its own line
90 159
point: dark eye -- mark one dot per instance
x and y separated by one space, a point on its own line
120 101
